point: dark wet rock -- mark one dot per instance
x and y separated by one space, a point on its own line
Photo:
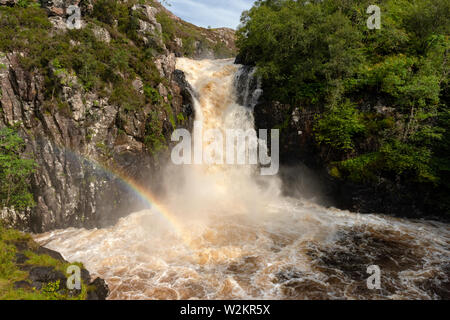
40 276
22 285
248 87
21 258
85 276
51 253
186 89
99 291
385 197
188 95
8 2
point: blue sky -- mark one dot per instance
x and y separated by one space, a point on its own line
214 13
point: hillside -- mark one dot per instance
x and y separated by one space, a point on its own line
81 104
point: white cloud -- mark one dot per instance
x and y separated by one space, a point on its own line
214 13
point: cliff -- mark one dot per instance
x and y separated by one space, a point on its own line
94 105
364 108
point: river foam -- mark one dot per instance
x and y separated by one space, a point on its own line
241 239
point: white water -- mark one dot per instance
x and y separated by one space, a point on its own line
240 239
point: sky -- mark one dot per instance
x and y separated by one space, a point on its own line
214 13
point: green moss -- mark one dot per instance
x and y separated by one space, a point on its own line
154 138
11 273
180 118
152 95
171 116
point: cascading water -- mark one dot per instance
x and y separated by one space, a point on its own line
236 237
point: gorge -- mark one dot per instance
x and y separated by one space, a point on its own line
227 233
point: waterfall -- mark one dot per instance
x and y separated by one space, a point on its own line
232 235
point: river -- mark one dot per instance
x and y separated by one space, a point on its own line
226 232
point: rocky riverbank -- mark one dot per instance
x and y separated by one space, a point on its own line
30 271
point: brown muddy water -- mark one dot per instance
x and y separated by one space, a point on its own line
232 235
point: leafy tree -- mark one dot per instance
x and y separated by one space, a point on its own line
381 95
338 126
14 171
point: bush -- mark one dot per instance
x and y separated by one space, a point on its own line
321 56
338 126
14 171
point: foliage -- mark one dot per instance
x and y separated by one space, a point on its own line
10 271
97 64
192 37
152 94
154 137
14 171
382 95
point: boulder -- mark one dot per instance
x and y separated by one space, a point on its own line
100 291
41 276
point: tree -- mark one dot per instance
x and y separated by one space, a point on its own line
14 171
381 96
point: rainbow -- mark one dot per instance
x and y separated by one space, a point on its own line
151 200
142 192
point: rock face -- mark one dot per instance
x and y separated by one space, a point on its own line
100 292
248 87
69 187
8 2
72 187
59 7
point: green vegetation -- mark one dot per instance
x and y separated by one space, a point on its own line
81 58
107 67
154 137
99 65
191 37
381 95
338 126
14 171
12 272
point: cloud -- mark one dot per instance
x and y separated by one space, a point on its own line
214 13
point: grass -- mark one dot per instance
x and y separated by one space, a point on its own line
10 271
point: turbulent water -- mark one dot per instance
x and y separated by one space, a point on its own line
224 232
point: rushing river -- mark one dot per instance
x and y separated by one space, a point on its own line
232 235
